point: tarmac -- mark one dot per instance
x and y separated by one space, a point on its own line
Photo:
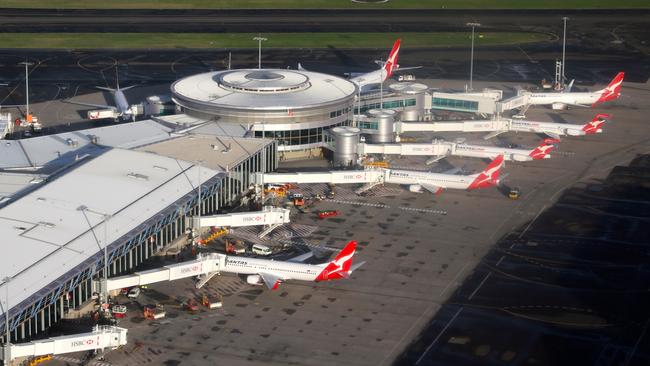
426 293
422 263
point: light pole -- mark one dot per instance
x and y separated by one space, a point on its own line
105 292
7 341
381 90
199 200
106 217
563 51
259 40
471 58
27 65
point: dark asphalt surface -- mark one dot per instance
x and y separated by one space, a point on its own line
572 289
52 20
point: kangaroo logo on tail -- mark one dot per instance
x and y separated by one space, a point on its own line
544 149
340 266
391 63
594 126
613 90
490 176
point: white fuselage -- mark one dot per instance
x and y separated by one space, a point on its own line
372 78
287 270
477 151
443 148
447 181
121 103
587 98
559 129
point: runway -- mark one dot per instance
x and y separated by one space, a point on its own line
67 20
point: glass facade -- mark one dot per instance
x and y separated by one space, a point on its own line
340 112
392 104
300 137
455 104
368 125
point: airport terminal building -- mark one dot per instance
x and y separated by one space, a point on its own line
127 188
293 107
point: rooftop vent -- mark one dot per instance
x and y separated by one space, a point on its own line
137 176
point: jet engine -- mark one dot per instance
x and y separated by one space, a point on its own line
559 106
253 279
415 188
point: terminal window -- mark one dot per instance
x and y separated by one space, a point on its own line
300 137
368 125
456 104
392 104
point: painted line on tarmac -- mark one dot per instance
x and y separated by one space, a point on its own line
380 205
423 210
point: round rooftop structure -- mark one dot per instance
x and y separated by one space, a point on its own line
408 88
227 92
291 106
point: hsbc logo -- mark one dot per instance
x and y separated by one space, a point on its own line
194 268
252 219
353 176
87 342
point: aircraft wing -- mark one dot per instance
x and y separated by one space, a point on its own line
406 68
355 266
492 134
552 135
104 106
435 159
432 188
271 280
301 258
577 105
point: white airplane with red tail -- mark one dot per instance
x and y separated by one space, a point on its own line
552 129
272 272
542 151
437 182
388 67
581 99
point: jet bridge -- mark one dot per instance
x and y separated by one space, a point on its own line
268 216
436 147
333 177
459 126
202 265
100 338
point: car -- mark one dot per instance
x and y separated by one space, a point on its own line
134 293
261 249
328 213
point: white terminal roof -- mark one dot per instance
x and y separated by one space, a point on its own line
45 234
38 151
216 152
265 89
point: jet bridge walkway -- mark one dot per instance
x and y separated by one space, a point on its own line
101 337
271 216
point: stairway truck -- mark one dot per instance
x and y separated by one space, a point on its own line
102 114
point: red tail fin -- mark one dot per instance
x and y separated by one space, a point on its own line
391 62
544 148
490 176
613 90
340 266
594 126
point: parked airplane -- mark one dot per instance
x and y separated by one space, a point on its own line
121 110
272 273
554 130
542 151
581 99
368 80
437 182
